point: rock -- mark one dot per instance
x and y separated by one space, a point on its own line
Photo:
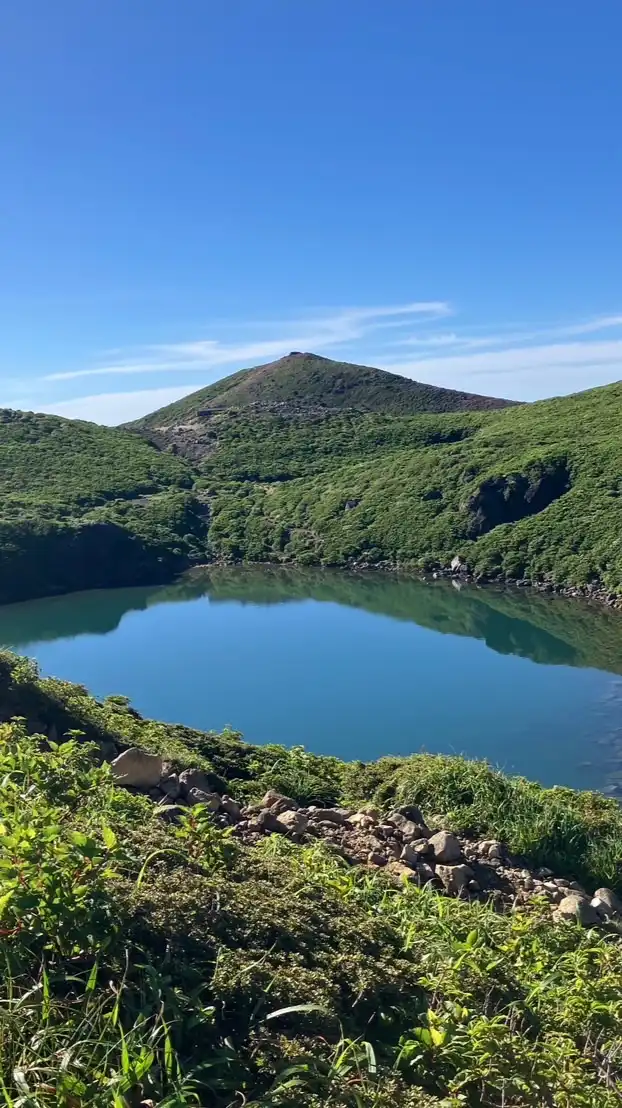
331 815
196 779
231 807
409 828
400 871
267 820
137 769
606 901
455 878
577 907
456 564
170 786
446 847
412 812
292 822
425 873
210 800
376 858
278 803
413 853
363 820
108 750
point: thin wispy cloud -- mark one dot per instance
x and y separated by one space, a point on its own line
323 333
527 362
116 407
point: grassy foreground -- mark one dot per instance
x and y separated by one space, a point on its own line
147 962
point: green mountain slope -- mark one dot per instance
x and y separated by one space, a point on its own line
532 491
308 380
84 506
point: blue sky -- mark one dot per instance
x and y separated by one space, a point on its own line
193 186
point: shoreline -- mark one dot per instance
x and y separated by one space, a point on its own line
458 575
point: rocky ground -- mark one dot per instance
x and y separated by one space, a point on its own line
402 844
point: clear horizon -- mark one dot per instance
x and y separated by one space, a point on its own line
188 192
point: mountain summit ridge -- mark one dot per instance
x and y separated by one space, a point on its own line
302 379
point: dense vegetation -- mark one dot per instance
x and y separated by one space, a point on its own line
526 492
146 961
86 506
324 469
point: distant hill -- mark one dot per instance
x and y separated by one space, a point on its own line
83 506
303 381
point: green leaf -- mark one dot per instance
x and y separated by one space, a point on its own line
110 839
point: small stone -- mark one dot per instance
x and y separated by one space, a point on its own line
413 853
210 800
268 821
170 786
293 822
137 769
544 872
576 907
577 888
528 882
232 808
425 873
446 847
362 820
455 878
376 858
611 902
411 812
278 803
409 828
332 815
409 857
195 779
400 871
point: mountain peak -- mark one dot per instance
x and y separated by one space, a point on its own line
305 380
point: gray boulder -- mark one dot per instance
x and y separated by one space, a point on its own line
330 815
446 847
414 853
292 822
231 807
137 769
194 779
606 902
210 800
170 786
455 878
276 802
577 907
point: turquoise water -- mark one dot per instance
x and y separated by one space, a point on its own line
352 664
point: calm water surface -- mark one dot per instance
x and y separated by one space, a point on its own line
352 664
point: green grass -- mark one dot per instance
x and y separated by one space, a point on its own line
166 962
